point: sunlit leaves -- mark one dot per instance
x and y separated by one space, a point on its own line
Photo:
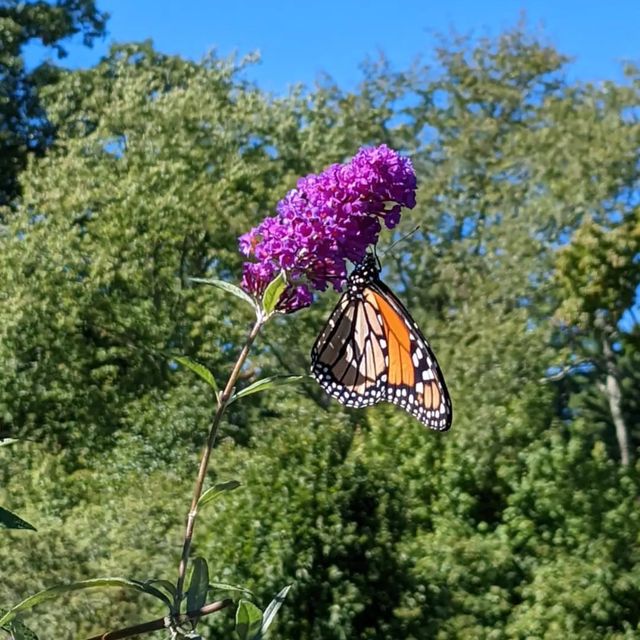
599 271
201 371
96 583
488 531
265 384
229 288
248 620
212 493
273 292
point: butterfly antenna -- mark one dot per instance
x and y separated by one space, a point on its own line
374 252
399 240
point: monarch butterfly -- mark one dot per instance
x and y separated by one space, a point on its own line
371 351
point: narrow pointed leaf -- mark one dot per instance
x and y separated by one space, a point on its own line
199 585
224 588
147 587
229 288
168 587
213 492
272 609
200 370
9 520
265 384
96 583
248 620
272 293
5 441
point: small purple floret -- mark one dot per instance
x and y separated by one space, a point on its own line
327 219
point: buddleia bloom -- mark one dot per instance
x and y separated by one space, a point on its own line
326 220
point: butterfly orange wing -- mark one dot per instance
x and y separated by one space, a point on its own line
372 351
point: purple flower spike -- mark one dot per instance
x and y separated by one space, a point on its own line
326 220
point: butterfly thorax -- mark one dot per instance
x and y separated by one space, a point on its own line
363 274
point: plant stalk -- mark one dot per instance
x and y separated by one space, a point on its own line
223 401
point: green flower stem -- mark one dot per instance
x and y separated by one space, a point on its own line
223 400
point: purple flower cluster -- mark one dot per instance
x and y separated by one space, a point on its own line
326 220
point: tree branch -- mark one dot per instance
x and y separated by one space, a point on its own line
613 392
567 370
163 623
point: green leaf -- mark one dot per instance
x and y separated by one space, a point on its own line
248 620
264 384
220 588
272 609
213 492
10 520
20 631
147 587
229 288
200 370
96 583
199 585
168 587
272 293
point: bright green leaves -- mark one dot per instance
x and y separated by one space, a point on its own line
229 288
201 371
258 386
9 520
266 310
97 583
599 271
248 620
270 298
265 384
510 157
272 293
227 590
251 623
212 493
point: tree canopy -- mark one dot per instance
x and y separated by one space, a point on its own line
521 522
24 127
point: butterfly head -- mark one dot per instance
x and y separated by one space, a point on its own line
363 274
366 270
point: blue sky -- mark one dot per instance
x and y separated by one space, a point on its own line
299 40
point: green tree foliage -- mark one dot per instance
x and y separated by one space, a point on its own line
153 152
519 523
598 274
24 126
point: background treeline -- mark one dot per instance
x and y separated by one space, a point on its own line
122 181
